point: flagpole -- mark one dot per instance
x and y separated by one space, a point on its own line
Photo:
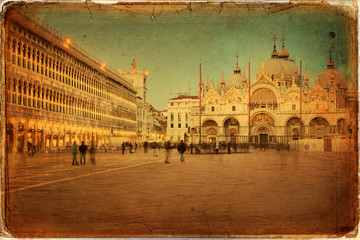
200 105
300 96
249 104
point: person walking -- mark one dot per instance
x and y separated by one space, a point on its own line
82 150
168 151
123 148
216 147
181 149
191 148
154 148
145 146
130 146
92 154
74 153
229 147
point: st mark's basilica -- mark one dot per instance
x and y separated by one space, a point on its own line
280 111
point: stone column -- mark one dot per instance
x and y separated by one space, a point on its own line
42 148
70 139
24 147
35 137
15 140
58 142
51 142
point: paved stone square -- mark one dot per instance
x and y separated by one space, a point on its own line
257 193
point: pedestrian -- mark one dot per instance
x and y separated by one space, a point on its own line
145 146
191 148
74 153
123 148
136 145
92 154
154 148
130 146
82 150
168 151
235 147
229 147
181 149
216 147
30 149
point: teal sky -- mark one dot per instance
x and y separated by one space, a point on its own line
170 44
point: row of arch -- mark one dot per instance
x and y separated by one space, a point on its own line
32 95
269 115
318 126
77 75
56 136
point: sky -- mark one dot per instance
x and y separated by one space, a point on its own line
169 41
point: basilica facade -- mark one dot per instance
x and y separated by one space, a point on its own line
57 93
274 108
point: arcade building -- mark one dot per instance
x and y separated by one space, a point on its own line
57 93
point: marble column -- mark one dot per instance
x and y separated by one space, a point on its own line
15 140
42 149
24 146
51 138
58 142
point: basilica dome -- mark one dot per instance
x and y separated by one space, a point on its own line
236 78
279 68
329 73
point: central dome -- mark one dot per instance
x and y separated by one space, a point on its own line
279 68
328 74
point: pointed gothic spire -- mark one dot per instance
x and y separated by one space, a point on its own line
134 64
306 77
274 53
207 84
330 63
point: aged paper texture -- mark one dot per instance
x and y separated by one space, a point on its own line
231 120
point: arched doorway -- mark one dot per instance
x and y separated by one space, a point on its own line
261 125
263 133
231 126
341 126
210 128
211 135
319 127
293 128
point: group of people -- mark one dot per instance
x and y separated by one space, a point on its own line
82 149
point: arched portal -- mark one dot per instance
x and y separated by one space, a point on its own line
319 127
231 127
261 125
263 134
210 128
293 128
341 126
